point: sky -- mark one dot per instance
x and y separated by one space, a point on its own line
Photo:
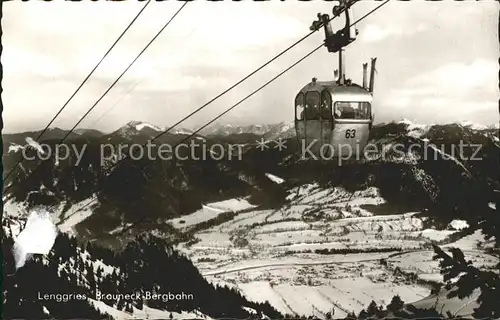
436 61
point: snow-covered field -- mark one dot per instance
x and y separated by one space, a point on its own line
270 255
210 211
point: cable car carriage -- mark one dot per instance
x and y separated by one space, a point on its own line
333 119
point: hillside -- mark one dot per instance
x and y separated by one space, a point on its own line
146 266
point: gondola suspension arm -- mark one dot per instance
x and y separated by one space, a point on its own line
342 38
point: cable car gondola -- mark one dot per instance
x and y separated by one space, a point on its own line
334 118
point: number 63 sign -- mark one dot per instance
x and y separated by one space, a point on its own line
350 133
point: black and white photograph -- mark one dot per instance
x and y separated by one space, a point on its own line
279 159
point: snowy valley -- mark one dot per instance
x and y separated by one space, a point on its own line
309 243
305 265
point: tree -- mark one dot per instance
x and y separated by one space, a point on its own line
128 308
396 304
373 310
329 315
468 279
362 315
121 304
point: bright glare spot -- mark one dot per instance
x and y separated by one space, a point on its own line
38 237
274 178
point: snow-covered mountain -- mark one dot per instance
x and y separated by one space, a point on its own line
228 129
286 130
134 128
282 129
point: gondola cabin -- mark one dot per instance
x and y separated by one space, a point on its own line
333 120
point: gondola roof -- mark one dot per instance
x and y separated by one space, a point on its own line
333 87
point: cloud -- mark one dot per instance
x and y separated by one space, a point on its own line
458 80
453 91
376 33
16 61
